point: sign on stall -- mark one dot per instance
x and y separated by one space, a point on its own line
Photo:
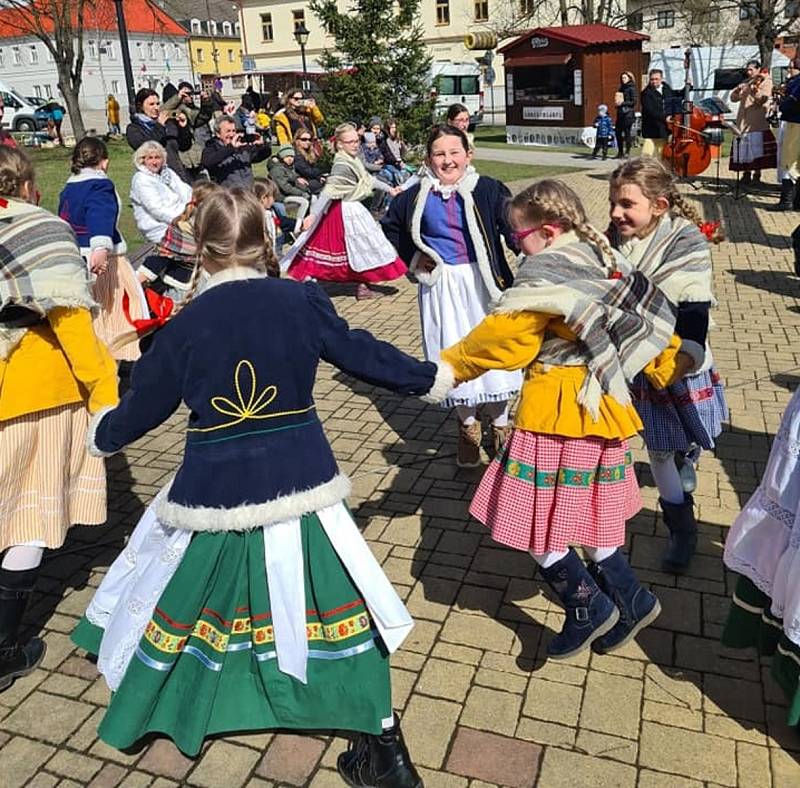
543 113
577 87
540 42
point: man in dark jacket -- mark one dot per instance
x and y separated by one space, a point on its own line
789 153
228 159
655 99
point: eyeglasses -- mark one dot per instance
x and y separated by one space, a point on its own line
520 235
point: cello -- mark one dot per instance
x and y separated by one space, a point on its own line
687 152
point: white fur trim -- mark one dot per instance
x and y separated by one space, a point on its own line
147 273
429 278
443 383
255 515
91 433
696 351
236 273
101 242
481 252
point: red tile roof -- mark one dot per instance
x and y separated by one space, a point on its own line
141 16
581 35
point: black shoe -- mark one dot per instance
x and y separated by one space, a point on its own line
379 761
16 660
590 613
620 155
796 197
796 248
679 519
786 198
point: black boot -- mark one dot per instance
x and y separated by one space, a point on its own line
16 660
637 606
796 248
787 196
379 761
590 613
796 197
679 519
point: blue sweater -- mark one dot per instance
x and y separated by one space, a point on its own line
243 356
90 205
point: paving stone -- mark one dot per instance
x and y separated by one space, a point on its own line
603 746
224 764
480 632
428 727
20 759
501 680
648 779
752 732
69 686
688 753
42 780
553 702
546 732
102 750
432 598
110 776
53 718
326 778
422 637
291 759
166 760
680 609
733 697
560 768
492 710
77 767
611 704
752 763
443 679
136 780
462 654
679 716
402 683
433 779
495 759
673 687
785 769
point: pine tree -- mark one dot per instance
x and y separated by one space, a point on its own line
379 66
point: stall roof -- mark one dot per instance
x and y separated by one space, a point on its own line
580 35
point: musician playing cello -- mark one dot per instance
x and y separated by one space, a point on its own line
756 147
789 136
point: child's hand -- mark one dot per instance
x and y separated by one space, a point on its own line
684 365
98 261
307 222
425 264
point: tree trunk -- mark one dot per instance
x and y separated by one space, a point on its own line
70 93
766 46
563 13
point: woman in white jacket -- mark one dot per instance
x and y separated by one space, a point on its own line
158 195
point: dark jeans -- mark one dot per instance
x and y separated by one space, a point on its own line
601 144
623 128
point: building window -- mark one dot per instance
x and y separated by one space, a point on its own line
231 56
636 21
37 91
17 56
2 58
164 55
298 18
91 46
200 55
151 51
237 83
34 53
115 87
481 10
108 50
442 12
177 52
141 50
212 27
226 28
50 57
527 7
237 29
48 90
266 27
194 26
665 19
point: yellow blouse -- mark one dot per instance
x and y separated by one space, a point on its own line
58 363
549 398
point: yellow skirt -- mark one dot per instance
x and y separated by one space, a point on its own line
48 480
110 321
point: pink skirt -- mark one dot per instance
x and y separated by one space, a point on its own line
324 256
544 492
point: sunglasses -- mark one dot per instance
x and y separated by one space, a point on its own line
297 98
304 139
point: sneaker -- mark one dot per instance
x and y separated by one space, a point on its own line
469 445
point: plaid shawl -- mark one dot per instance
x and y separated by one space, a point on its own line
675 257
40 268
178 242
621 320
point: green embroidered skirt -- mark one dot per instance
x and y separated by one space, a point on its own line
750 624
206 663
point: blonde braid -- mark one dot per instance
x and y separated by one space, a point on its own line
679 205
194 286
587 232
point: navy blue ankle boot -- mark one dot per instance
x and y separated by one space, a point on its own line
637 606
16 659
679 519
590 613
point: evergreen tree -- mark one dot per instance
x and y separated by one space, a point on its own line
379 66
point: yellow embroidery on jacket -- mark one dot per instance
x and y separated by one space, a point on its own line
249 406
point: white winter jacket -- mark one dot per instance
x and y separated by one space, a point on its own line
157 200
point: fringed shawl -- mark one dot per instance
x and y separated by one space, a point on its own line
621 320
40 268
349 179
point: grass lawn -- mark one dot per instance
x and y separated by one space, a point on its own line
507 171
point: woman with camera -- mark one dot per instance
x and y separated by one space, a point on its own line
298 112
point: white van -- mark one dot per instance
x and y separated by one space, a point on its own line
19 114
458 83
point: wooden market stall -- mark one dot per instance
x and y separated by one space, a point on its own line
556 77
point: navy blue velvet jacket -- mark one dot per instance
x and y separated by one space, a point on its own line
243 356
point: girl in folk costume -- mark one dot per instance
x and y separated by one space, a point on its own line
665 238
53 373
448 227
755 149
763 546
582 325
246 598
90 205
341 242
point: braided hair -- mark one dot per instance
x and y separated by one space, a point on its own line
16 169
656 181
552 201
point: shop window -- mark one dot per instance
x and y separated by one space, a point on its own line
481 10
665 19
266 27
547 83
636 21
442 12
238 83
298 18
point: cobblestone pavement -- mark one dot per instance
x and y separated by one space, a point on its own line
480 704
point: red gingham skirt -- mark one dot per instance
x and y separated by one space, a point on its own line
544 492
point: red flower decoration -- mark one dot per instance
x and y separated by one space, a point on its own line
709 228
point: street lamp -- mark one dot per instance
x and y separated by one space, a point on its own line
126 56
301 36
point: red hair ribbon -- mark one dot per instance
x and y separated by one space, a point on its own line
708 229
160 306
615 275
3 203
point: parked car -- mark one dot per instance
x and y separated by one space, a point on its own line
20 114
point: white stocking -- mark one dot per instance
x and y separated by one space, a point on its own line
22 557
666 476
